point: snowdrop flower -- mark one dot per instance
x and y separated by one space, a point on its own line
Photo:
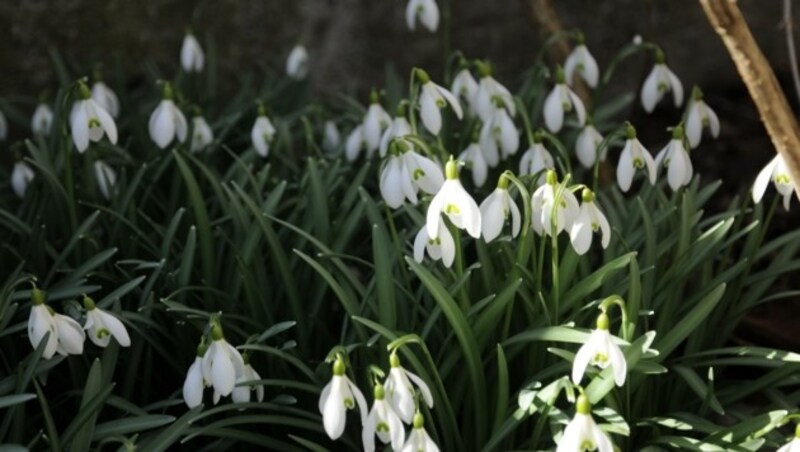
202 135
400 390
590 220
601 351
660 80
560 101
192 57
103 325
425 174
66 336
419 440
777 172
634 157
395 185
441 248
241 394
21 176
405 173
794 444
3 127
355 143
499 138
167 121
475 160
582 433
383 421
432 98
586 145
263 132
42 119
375 121
495 210
194 384
675 157
106 178
465 87
700 115
330 136
398 128
297 63
222 364
581 62
424 11
536 159
544 205
106 98
456 203
488 90
89 121
338 396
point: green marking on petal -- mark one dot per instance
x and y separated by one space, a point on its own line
94 122
382 427
418 174
782 179
349 403
638 163
662 87
600 358
102 332
587 444
452 209
595 227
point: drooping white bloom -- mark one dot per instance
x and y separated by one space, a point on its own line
106 178
425 174
544 205
777 172
582 433
586 145
3 127
700 115
456 203
42 119
424 11
194 384
499 137
405 173
581 62
400 391
488 90
475 160
106 98
465 87
375 121
675 157
262 134
442 247
222 364
634 157
495 210
338 396
559 102
241 394
794 444
355 143
590 220
41 322
383 421
103 325
192 56
66 335
432 98
398 128
70 335
202 135
419 440
330 136
600 350
21 176
89 121
660 81
297 63
167 121
535 160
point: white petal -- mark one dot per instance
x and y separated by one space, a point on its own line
488 145
433 216
570 65
713 122
181 127
581 233
423 388
452 100
591 73
447 246
390 183
70 334
763 179
618 363
430 15
650 94
553 110
677 88
625 168
577 104
411 14
694 125
354 144
492 215
333 410
509 136
582 359
40 323
419 244
223 374
193 385
162 124
79 123
116 328
605 228
368 431
429 111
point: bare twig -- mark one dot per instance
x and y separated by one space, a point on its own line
753 67
788 22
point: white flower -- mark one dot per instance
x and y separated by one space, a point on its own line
495 210
499 137
106 178
355 143
433 97
543 205
398 128
41 322
586 145
456 203
3 127
535 160
70 335
395 185
105 97
560 101
794 444
103 325
777 172
488 89
405 173
399 389
262 134
66 336
465 87
222 364
202 135
90 121
338 396
21 176
425 174
241 394
582 63
590 220
700 115
419 440
600 350
475 160
675 157
192 57
426 11
330 136
167 121
634 157
442 247
383 421
194 384
297 63
660 80
42 120
375 121
582 433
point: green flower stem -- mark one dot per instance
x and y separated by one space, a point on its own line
526 120
412 99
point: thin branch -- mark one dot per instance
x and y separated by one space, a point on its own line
788 22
